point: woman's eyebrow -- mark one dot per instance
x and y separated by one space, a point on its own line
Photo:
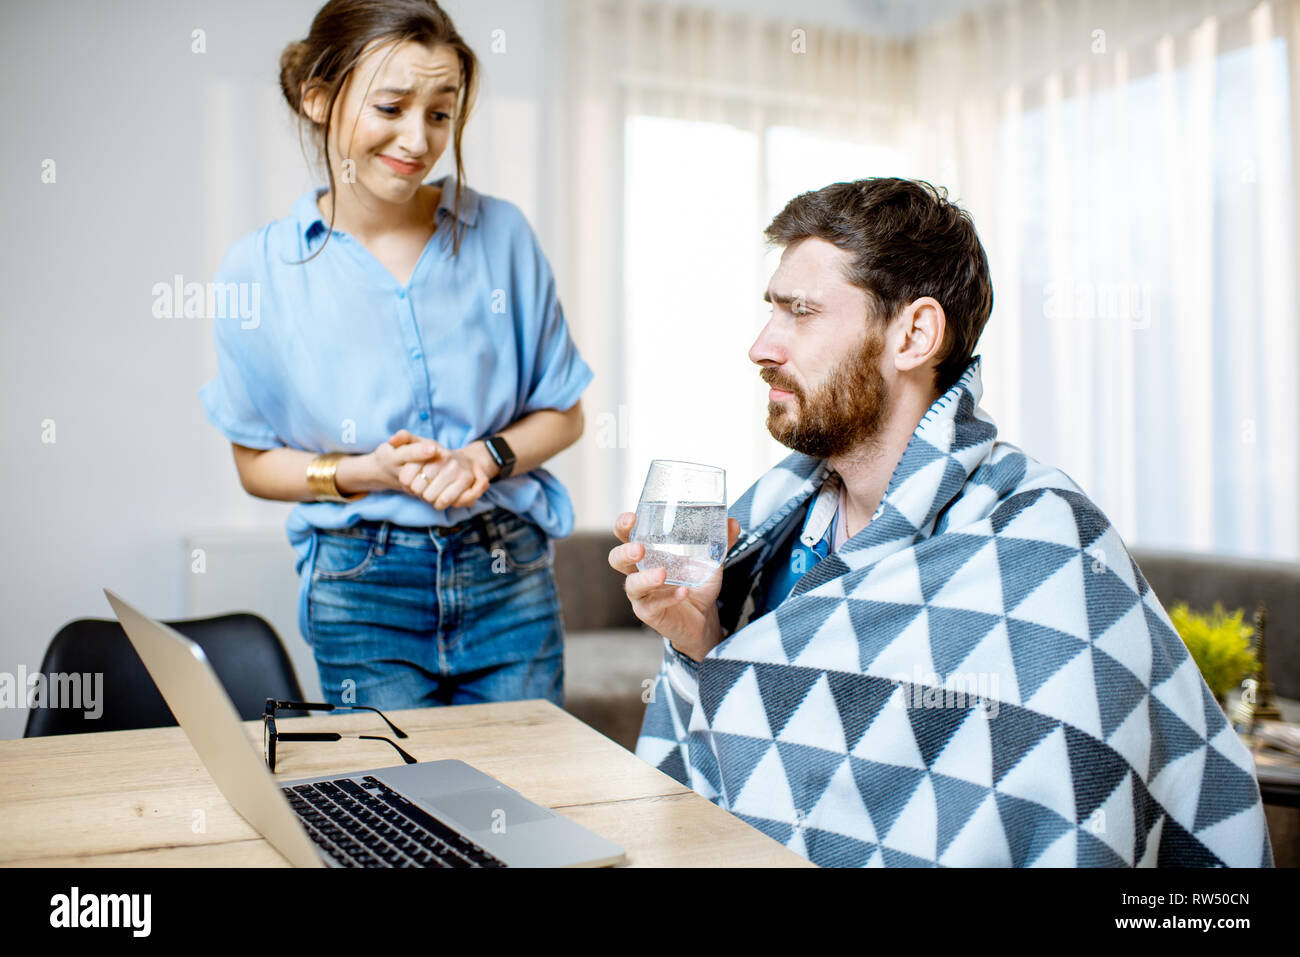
407 91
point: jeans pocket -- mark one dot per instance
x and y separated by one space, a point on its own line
342 557
523 546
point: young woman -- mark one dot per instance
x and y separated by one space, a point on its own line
408 373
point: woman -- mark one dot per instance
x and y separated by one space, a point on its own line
408 373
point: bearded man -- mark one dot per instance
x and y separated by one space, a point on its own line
924 647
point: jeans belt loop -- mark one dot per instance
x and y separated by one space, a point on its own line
488 530
381 540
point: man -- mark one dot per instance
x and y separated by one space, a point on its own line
924 646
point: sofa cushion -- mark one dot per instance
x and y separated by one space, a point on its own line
591 592
606 675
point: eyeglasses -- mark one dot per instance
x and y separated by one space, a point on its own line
270 735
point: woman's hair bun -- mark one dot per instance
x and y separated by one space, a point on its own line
293 62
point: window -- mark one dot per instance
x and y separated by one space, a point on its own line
698 196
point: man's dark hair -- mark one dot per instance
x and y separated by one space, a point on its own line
907 241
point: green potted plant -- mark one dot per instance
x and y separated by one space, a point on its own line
1219 644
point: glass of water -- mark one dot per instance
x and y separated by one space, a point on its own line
682 521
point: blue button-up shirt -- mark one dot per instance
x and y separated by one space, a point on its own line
335 355
798 555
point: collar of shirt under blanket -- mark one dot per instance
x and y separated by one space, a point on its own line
828 507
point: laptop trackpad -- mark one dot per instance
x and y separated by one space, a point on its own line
481 809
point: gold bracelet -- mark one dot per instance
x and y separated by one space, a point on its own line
320 479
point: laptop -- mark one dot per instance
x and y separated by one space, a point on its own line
430 814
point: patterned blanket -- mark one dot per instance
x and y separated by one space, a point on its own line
980 677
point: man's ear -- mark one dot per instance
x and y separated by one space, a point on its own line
923 328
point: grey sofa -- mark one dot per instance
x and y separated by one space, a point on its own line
608 653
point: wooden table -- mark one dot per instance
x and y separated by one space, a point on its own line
143 798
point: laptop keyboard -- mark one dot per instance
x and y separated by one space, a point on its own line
371 825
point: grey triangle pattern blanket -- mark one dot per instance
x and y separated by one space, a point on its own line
980 677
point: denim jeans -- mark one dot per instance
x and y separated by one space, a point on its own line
410 617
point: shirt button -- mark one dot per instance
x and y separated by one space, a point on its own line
415 353
424 415
401 294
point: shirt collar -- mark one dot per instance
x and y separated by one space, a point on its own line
311 222
823 511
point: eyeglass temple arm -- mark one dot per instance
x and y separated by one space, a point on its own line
392 727
335 736
374 737
272 703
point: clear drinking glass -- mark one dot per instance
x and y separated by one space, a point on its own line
682 521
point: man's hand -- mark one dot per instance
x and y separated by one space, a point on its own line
687 617
444 478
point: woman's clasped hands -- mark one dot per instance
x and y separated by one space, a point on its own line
445 478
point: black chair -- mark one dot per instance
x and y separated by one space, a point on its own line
243 649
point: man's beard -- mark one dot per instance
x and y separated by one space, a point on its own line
847 409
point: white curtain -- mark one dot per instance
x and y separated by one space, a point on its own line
1129 167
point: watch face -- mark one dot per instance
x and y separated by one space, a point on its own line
502 452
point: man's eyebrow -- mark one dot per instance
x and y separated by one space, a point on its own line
785 299
407 91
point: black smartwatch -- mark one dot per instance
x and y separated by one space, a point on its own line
502 454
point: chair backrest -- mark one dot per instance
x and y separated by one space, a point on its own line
243 648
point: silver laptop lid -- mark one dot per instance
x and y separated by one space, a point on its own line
191 689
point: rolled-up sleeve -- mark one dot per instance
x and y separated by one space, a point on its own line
558 375
227 401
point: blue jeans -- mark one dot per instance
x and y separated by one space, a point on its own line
411 617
